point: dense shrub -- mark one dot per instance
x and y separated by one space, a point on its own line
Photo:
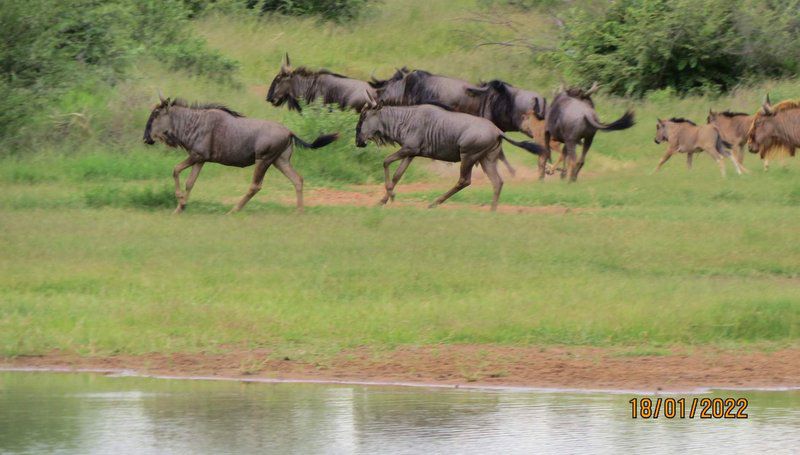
688 45
342 161
50 47
336 10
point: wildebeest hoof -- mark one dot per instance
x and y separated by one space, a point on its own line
433 205
178 210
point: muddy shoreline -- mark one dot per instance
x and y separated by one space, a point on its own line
468 366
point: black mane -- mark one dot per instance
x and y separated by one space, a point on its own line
682 120
304 71
200 106
498 105
732 114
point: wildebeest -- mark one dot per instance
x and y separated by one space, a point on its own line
775 129
437 133
292 85
497 101
213 133
571 119
733 127
684 136
535 128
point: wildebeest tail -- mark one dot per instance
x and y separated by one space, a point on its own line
623 123
321 141
723 147
532 147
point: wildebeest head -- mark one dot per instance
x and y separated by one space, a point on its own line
507 103
368 127
509 107
761 136
399 74
393 90
159 124
661 132
282 88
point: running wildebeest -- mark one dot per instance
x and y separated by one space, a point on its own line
292 85
438 133
775 130
571 119
684 136
213 133
535 128
497 101
733 127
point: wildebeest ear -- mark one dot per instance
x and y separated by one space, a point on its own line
595 87
660 122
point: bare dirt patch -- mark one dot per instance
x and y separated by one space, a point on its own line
556 367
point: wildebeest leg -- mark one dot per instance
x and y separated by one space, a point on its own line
572 161
255 186
739 151
670 151
176 175
563 160
490 168
511 170
285 166
737 163
587 142
196 168
398 155
398 174
719 160
544 157
689 160
463 181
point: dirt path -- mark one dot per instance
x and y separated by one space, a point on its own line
552 367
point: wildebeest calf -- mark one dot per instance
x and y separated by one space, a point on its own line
684 136
437 133
216 134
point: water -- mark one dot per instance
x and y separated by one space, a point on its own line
92 413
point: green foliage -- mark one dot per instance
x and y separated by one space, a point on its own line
639 45
52 47
335 10
329 9
114 196
341 161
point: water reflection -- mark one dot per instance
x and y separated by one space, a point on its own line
86 413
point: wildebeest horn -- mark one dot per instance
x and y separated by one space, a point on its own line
286 65
767 105
370 100
160 96
593 89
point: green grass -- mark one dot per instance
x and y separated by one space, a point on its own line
92 262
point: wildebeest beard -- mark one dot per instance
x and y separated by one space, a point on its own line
148 139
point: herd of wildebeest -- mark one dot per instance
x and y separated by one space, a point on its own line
447 119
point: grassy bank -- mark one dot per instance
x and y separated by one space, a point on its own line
91 261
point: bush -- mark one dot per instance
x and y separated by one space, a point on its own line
692 46
51 47
340 161
336 10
